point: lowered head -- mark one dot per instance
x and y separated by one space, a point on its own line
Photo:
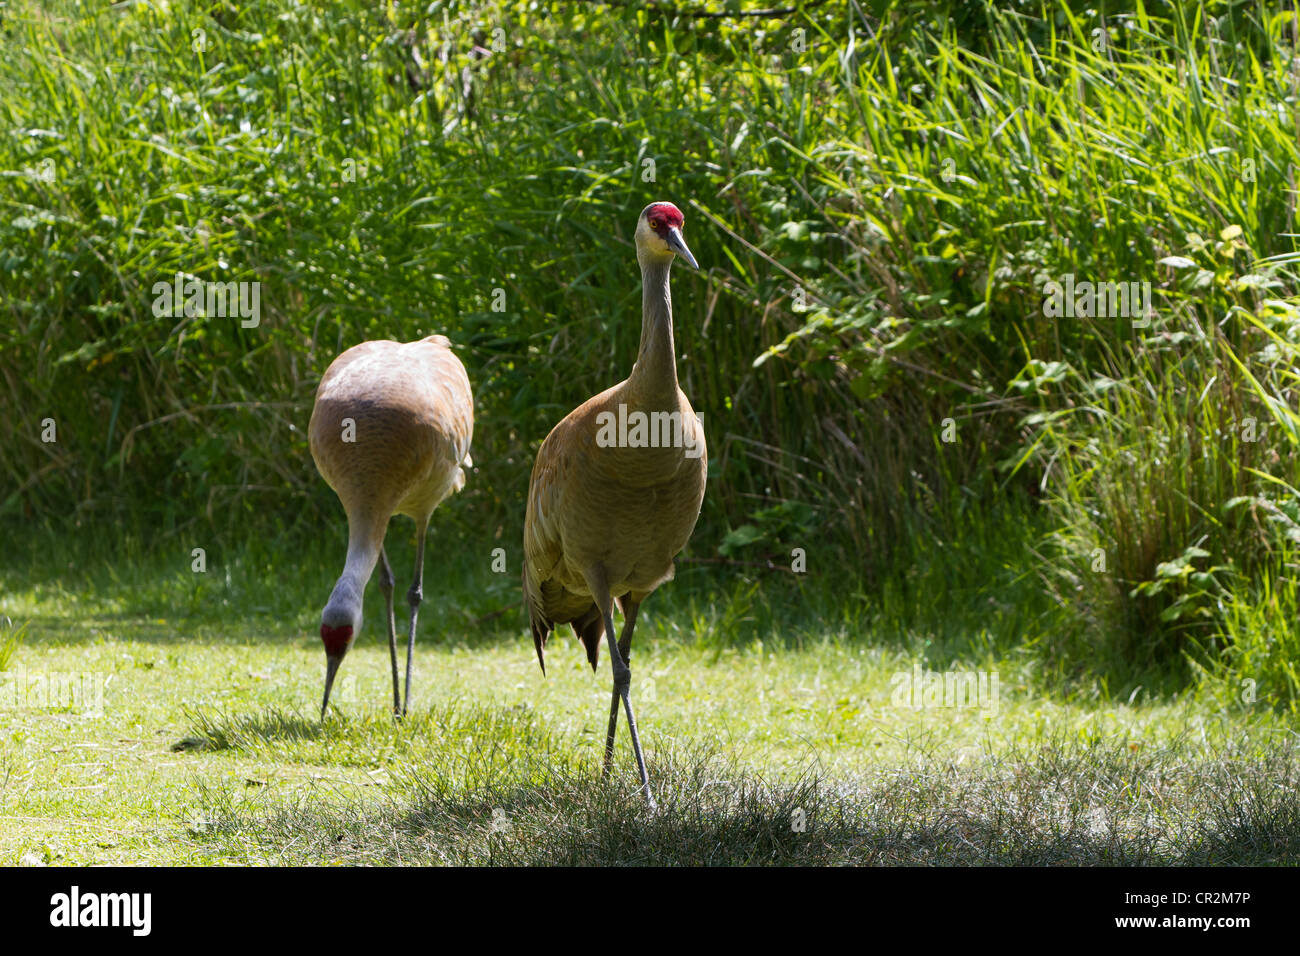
339 624
659 233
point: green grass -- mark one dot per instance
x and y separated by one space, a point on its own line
785 746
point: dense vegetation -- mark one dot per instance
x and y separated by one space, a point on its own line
878 195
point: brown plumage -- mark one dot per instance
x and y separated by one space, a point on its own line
390 433
610 506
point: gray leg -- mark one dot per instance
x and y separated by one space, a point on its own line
625 650
386 587
413 598
622 673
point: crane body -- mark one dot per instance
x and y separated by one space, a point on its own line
390 432
605 519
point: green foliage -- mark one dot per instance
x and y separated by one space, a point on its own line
877 207
788 521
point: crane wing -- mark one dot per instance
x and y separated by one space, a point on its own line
549 601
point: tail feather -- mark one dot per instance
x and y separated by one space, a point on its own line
537 621
589 628
539 642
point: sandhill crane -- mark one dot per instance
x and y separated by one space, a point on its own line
390 433
617 487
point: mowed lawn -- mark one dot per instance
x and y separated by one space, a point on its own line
209 750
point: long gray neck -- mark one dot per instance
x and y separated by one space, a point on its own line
654 377
344 606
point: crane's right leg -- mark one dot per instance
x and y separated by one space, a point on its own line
414 597
386 586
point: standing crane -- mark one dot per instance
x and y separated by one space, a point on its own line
390 433
616 489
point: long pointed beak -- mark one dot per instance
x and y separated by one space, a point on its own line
678 245
331 668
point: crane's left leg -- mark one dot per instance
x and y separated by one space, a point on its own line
599 588
625 649
414 597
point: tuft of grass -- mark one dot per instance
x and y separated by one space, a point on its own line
11 637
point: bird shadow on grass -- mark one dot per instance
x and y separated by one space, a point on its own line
455 732
217 730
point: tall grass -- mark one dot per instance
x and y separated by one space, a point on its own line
877 192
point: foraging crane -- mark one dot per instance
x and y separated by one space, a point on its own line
390 433
609 507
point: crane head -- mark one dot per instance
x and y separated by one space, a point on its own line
339 623
337 640
659 232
